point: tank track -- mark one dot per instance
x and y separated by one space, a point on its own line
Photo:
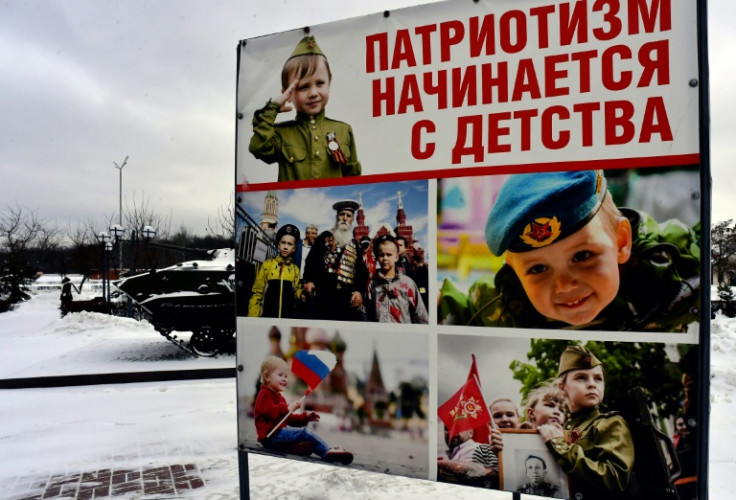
203 343
178 342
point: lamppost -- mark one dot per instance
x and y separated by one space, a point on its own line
108 250
117 231
149 232
120 202
104 239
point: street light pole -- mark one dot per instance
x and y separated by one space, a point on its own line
120 204
104 239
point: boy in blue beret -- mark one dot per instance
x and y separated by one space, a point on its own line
311 146
574 260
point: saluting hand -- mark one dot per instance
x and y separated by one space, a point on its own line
284 99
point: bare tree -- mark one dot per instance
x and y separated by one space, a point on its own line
139 214
85 252
22 230
223 224
723 252
82 235
25 241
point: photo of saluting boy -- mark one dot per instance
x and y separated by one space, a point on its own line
311 146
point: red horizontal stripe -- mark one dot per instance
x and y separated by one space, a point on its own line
303 372
524 168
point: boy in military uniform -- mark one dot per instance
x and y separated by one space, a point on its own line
596 450
574 260
311 146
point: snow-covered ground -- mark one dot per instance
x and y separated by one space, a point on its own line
73 429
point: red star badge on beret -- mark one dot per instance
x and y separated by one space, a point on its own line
540 232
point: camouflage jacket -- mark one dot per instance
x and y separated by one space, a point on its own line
659 290
300 145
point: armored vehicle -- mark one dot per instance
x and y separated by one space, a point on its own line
196 296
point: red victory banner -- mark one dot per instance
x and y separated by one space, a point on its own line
466 409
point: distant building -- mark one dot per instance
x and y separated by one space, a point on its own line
376 398
401 229
270 214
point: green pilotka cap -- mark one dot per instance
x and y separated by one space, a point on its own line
307 46
577 357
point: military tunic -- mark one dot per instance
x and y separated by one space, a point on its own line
659 289
336 275
597 455
300 146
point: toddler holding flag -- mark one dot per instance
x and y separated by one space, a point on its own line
290 434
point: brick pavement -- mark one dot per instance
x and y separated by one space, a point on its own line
168 481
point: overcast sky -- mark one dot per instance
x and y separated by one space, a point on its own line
84 84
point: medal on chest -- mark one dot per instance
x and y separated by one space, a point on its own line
331 261
347 264
334 149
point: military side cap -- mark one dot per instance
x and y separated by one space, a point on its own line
307 46
346 205
577 357
535 210
289 229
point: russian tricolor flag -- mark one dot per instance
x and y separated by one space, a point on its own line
313 366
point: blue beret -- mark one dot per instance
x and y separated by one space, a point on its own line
535 210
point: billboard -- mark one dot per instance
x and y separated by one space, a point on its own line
515 191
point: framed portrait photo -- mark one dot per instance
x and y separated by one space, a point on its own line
525 466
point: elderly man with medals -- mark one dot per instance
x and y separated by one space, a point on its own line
335 276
